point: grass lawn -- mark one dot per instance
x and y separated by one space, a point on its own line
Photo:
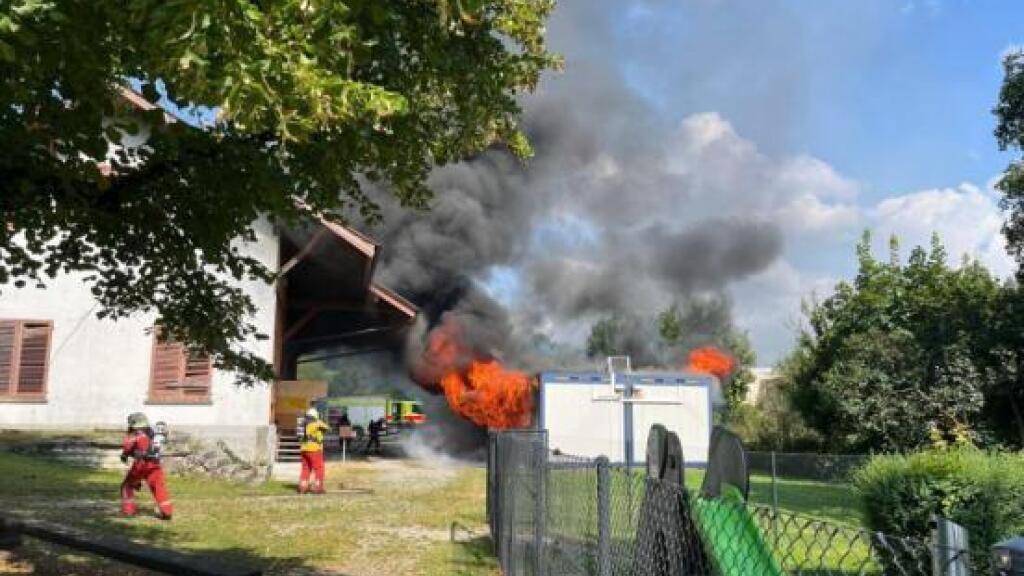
387 517
834 502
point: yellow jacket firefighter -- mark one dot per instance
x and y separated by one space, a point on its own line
313 441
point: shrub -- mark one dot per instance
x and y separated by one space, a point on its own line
982 491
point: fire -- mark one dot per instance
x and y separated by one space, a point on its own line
476 386
711 360
445 352
490 395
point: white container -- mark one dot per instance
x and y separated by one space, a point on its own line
587 415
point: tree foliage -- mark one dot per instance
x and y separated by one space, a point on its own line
312 100
907 351
602 340
1009 134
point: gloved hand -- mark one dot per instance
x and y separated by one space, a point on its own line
124 458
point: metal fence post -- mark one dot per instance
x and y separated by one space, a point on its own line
604 518
949 549
775 486
492 485
540 502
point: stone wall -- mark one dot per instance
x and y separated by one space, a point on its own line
246 458
229 452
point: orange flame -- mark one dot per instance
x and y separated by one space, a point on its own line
711 360
490 395
476 386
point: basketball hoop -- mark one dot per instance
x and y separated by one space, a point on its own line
616 367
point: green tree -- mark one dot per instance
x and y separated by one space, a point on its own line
603 340
312 99
899 353
737 344
670 325
1009 134
1006 347
1004 358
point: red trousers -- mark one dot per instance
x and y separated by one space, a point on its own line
153 475
312 461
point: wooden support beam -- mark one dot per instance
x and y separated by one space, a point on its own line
301 323
306 250
337 305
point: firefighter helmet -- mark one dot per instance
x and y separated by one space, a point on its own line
312 413
137 420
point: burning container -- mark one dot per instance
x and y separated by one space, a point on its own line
593 413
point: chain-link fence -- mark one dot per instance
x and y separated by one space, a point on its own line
555 515
806 466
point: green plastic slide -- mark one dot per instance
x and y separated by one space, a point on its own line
731 537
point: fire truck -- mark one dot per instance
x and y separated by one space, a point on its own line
398 414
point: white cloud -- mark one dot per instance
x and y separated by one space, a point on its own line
967 218
730 175
807 212
807 173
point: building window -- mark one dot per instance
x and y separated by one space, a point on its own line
24 359
177 375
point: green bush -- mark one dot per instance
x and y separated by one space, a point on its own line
982 491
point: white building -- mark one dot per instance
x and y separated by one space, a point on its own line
63 368
764 379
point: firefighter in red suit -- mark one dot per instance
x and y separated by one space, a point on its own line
312 450
141 446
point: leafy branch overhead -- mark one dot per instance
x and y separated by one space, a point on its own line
299 99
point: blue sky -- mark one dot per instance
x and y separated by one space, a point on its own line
823 117
894 94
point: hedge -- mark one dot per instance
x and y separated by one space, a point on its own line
982 491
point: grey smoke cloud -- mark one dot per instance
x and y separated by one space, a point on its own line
711 254
652 200
480 218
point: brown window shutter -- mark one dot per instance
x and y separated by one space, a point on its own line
178 375
8 331
167 369
24 358
198 376
34 358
